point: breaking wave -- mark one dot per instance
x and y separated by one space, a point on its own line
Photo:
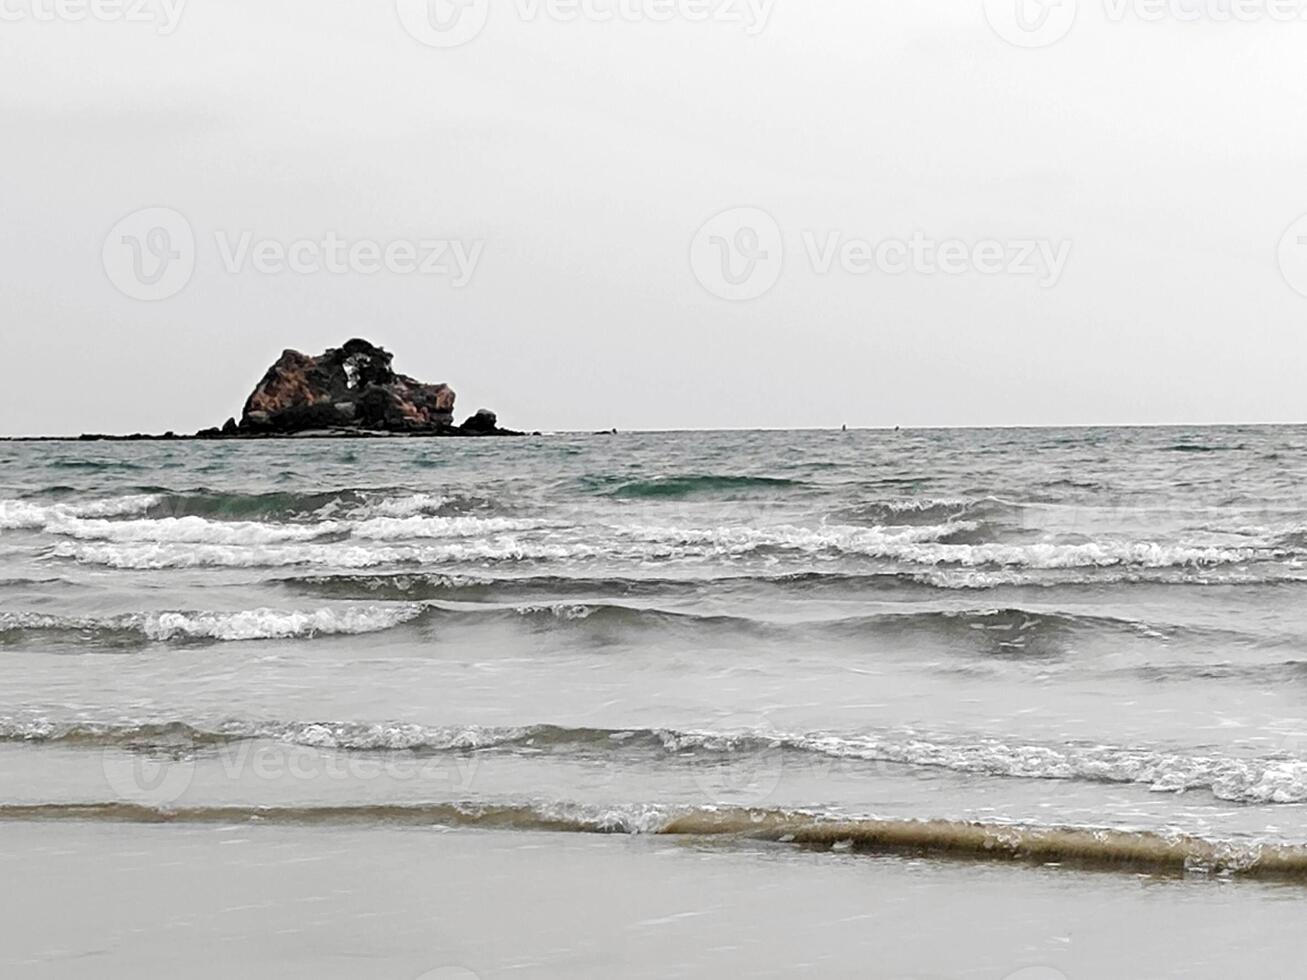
1251 781
1086 848
410 586
931 510
276 508
251 624
473 586
1005 630
645 544
1011 629
25 515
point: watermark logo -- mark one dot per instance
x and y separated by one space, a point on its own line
444 258
150 254
444 23
449 973
1041 259
275 762
1293 256
1039 23
1210 11
1031 23
1292 746
739 254
741 763
157 777
452 23
165 15
752 15
1037 973
158 774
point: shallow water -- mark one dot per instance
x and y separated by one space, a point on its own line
1090 630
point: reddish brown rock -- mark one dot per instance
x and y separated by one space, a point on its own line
352 386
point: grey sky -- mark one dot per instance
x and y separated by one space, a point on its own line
1167 155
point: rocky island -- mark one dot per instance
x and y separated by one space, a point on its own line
346 391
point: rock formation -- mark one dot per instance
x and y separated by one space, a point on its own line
349 390
483 423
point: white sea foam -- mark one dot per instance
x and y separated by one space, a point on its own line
971 578
566 611
193 541
265 624
142 556
921 546
1142 554
89 521
363 737
1254 781
1227 778
644 545
913 505
411 505
411 528
339 555
246 624
189 530
46 621
23 514
739 539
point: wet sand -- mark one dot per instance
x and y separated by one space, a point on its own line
126 901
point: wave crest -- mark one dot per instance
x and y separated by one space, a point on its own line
1246 781
242 625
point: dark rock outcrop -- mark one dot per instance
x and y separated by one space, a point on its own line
483 423
350 387
348 391
344 392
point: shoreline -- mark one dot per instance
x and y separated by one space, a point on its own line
1075 849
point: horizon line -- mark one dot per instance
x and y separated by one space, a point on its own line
979 427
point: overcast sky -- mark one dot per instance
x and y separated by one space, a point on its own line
1153 167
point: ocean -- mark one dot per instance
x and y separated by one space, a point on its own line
1020 703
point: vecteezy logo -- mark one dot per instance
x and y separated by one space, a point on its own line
443 23
156 777
738 254
150 254
1031 23
742 764
1293 256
